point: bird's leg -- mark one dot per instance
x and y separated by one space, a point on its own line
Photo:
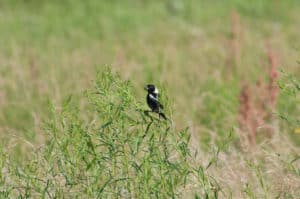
161 114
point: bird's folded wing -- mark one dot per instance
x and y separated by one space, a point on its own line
156 100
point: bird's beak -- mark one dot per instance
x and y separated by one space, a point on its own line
146 88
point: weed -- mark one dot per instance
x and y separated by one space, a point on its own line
257 105
117 152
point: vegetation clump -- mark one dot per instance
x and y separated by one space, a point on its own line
114 152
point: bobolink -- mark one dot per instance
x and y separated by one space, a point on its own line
152 100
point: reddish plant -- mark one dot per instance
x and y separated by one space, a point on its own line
258 102
273 77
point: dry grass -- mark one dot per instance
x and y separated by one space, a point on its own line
198 56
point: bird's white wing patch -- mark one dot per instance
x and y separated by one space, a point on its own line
152 97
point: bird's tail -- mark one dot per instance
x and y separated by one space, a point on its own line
163 115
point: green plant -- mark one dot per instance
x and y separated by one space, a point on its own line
109 149
290 89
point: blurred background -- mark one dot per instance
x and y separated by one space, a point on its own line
207 57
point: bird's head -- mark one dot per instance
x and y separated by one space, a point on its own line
151 89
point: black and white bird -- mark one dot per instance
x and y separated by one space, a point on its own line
152 100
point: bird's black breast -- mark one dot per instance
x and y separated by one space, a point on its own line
153 103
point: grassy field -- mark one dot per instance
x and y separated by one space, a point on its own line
72 75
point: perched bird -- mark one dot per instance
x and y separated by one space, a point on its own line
152 100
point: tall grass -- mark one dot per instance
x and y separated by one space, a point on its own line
100 144
290 91
108 148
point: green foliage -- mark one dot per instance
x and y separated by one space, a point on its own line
118 152
102 145
289 112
